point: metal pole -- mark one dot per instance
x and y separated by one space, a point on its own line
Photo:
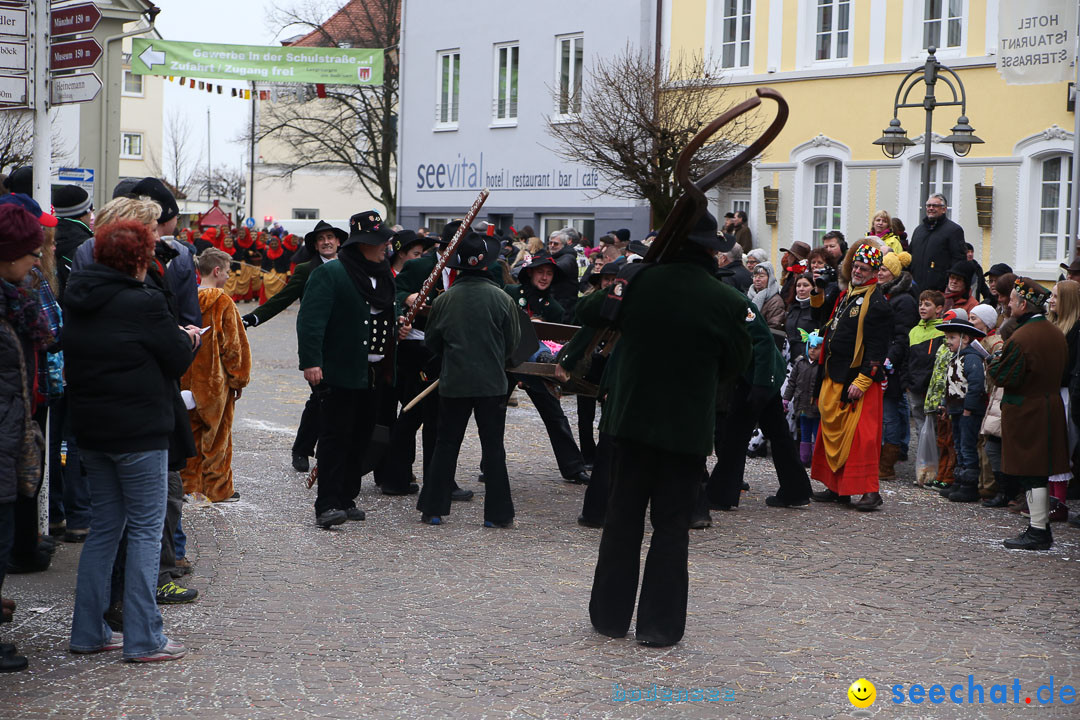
41 89
209 167
929 102
251 195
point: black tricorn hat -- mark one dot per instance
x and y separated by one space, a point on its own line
309 239
368 228
405 239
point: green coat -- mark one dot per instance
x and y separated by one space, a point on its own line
552 311
767 367
293 290
681 332
474 326
333 327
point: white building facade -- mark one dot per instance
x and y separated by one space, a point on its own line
475 100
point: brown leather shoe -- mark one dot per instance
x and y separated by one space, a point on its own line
869 501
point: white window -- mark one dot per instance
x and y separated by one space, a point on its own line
131 146
828 194
832 39
133 84
506 84
446 103
584 224
570 56
943 22
735 34
305 213
435 224
1055 190
941 178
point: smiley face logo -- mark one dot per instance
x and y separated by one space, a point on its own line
862 693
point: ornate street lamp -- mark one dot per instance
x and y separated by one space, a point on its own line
894 140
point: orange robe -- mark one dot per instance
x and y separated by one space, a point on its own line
222 365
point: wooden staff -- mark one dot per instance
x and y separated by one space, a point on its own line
420 396
429 284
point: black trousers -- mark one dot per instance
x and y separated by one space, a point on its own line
346 419
174 506
308 432
454 415
412 358
547 405
586 414
734 429
594 506
665 482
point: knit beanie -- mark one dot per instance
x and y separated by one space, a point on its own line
987 314
22 232
70 201
896 262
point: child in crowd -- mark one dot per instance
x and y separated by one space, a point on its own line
985 318
991 428
924 340
220 371
799 392
936 405
965 403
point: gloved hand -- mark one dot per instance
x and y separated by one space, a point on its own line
249 320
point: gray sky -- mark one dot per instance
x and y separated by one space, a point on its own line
237 22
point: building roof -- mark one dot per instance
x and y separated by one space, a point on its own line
215 216
357 24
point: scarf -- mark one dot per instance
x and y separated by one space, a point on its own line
864 291
535 299
362 271
274 254
760 297
23 310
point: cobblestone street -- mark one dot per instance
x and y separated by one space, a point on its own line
391 618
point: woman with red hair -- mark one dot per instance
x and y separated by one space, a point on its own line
125 354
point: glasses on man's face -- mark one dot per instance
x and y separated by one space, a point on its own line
934 205
36 254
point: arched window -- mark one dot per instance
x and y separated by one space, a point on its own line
1055 189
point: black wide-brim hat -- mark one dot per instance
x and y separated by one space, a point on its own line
368 228
961 326
405 239
704 233
474 252
309 239
541 260
447 232
611 268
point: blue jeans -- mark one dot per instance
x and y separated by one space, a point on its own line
896 421
808 427
966 440
126 490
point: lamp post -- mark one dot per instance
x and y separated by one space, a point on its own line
894 140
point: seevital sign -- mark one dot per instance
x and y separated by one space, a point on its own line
329 66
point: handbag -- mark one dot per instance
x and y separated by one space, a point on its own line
28 464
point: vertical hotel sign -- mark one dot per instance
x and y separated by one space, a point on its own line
1036 41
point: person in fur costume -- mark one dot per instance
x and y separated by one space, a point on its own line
219 373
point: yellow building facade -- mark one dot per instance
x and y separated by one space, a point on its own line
838 63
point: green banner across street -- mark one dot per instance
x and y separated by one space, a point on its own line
330 66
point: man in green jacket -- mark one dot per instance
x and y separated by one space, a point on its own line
346 331
322 244
474 327
682 332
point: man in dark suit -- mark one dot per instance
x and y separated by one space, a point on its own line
322 245
936 245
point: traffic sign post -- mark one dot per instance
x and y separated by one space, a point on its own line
13 56
77 88
250 222
74 54
83 177
75 19
13 22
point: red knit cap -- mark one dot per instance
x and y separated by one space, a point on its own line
20 233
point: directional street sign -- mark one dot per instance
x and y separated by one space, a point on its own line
13 22
74 54
83 177
13 90
13 55
75 19
77 88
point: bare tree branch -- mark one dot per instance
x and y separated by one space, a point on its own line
631 130
354 127
178 166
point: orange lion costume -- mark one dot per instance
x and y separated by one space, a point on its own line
221 367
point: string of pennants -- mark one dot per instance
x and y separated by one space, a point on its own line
298 93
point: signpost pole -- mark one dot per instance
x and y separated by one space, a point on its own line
251 195
1074 200
42 130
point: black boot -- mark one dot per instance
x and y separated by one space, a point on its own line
830 496
967 486
1031 539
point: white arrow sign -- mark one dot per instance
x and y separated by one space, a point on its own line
75 175
151 58
78 88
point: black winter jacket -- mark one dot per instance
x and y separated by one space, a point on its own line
564 288
123 355
13 410
70 234
800 316
905 308
934 249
